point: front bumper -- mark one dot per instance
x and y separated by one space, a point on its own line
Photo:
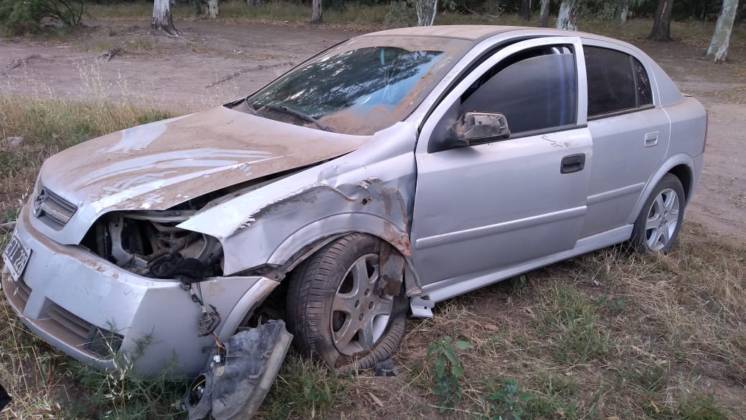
68 296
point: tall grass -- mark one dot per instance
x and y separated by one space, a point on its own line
46 126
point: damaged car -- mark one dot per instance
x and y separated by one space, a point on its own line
388 173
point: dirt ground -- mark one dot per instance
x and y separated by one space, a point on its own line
212 64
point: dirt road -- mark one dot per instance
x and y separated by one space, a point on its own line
214 63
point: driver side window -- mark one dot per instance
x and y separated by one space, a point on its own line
535 89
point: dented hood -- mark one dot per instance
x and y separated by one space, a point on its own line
161 164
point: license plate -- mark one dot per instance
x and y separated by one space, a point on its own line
16 256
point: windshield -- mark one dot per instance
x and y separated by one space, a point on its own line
361 86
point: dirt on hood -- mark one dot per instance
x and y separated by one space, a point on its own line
159 165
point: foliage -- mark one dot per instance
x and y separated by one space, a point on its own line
448 370
22 16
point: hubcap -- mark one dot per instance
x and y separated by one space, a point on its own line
360 312
662 220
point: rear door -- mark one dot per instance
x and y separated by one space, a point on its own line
485 208
630 134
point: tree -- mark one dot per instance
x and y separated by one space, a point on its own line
316 12
525 10
662 24
623 11
426 11
544 13
212 9
718 49
567 15
162 19
253 3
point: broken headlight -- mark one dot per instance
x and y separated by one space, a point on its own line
149 243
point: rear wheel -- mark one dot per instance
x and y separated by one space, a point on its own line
660 219
338 310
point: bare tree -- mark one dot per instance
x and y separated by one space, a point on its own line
212 9
662 24
525 10
718 49
623 11
162 18
567 15
426 11
316 12
544 13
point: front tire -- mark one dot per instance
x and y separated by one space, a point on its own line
337 309
659 222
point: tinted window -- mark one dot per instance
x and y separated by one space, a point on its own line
535 90
616 82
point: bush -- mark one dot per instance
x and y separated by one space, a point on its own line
25 16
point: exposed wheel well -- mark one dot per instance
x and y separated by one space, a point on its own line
684 173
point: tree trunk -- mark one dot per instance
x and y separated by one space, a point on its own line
162 19
662 24
624 11
316 12
426 11
544 14
525 11
567 15
212 9
718 49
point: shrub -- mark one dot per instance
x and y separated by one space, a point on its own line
24 16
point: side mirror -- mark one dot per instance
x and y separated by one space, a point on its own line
480 127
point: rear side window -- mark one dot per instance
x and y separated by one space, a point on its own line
617 82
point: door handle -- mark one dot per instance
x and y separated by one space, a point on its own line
572 163
651 139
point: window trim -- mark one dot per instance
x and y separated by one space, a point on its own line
621 112
653 85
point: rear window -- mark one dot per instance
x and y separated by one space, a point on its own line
617 82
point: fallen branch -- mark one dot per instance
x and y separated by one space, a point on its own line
7 227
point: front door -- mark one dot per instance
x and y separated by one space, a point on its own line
482 209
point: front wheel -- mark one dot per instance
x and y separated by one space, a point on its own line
659 222
338 310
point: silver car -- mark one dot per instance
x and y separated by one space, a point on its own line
388 173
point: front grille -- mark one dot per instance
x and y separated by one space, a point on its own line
82 334
52 209
17 292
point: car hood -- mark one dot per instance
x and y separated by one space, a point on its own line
159 165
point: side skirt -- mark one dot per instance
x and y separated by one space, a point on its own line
440 291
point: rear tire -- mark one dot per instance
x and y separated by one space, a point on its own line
336 310
658 224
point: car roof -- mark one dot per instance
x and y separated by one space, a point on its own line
477 33
471 32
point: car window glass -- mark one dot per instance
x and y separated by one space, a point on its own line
535 89
616 82
361 86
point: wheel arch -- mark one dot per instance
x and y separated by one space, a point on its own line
681 166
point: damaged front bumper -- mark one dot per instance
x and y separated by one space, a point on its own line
92 309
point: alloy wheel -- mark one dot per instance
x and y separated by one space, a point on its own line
662 220
360 311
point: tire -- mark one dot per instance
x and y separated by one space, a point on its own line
335 319
658 224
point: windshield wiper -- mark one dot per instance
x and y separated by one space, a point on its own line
283 109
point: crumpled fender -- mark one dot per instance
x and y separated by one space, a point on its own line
370 190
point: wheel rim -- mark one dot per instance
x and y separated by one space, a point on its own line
360 312
662 220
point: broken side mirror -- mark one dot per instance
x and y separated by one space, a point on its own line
480 127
